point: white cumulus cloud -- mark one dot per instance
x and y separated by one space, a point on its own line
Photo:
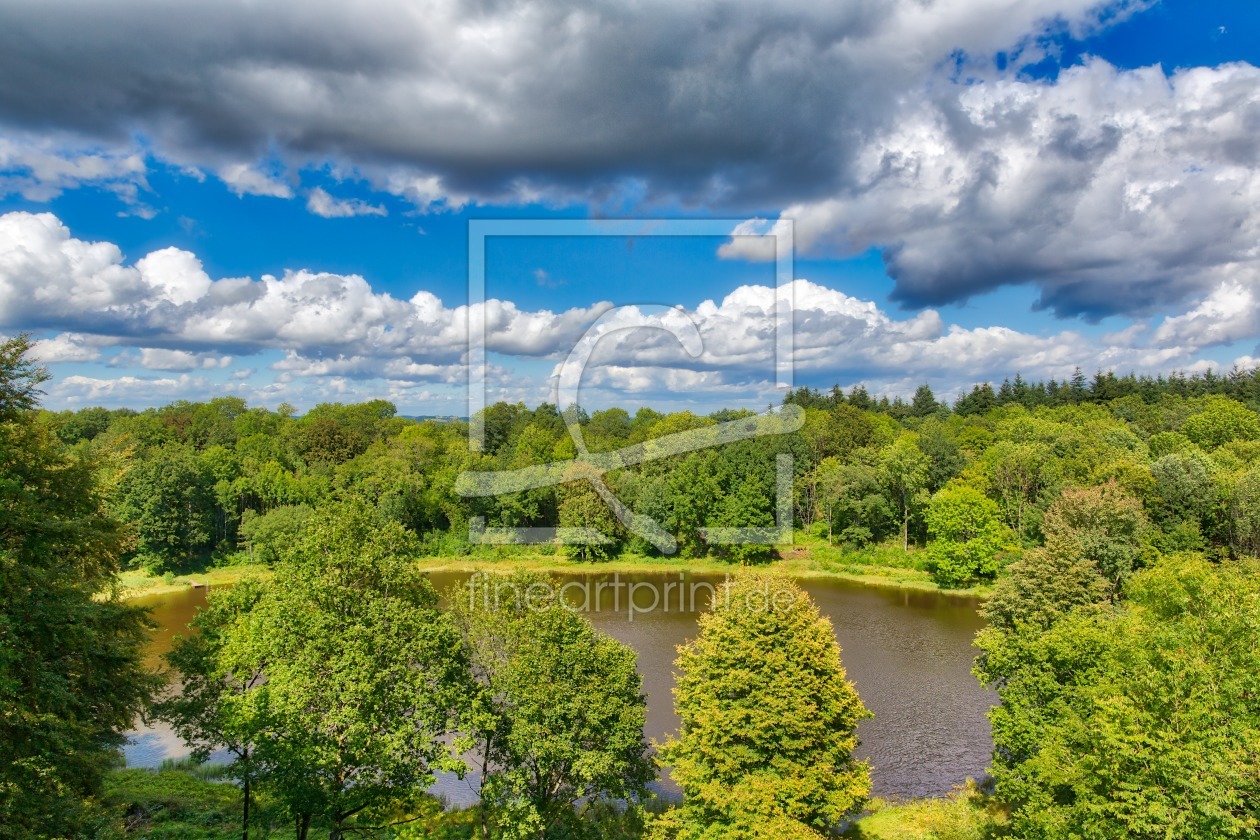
319 202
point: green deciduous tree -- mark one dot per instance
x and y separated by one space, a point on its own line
1221 421
211 708
1103 526
767 721
268 535
362 672
905 471
557 717
967 535
1020 474
1139 721
168 498
1245 513
71 674
1184 496
582 507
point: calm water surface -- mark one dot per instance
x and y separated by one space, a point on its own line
909 654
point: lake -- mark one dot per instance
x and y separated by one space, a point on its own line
909 654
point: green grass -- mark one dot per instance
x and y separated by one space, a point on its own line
808 557
174 804
966 814
137 582
181 801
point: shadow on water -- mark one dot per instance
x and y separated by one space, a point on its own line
908 652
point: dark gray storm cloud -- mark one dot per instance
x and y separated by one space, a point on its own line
730 103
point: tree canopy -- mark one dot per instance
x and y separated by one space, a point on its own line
767 720
71 673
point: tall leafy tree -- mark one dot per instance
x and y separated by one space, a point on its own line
362 672
168 497
1020 474
768 721
557 717
905 470
71 673
1138 721
210 708
967 535
1103 526
580 506
1245 513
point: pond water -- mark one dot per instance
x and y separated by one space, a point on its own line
909 654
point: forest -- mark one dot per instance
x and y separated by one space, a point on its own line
1112 525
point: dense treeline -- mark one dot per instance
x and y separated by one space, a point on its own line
221 479
1239 384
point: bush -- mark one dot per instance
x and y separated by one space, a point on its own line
967 536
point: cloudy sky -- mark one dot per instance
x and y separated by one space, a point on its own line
273 200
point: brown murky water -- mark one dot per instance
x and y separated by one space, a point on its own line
909 653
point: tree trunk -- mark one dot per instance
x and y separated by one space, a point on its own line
905 528
245 818
303 826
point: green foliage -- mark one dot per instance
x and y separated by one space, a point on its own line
362 672
20 378
71 678
557 717
749 504
1137 722
206 711
967 536
1183 497
1168 443
767 721
1103 526
905 471
1245 510
582 507
268 535
168 499
863 466
1022 474
1221 421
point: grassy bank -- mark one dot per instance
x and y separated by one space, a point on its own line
137 583
872 566
966 814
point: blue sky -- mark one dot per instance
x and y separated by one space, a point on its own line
976 188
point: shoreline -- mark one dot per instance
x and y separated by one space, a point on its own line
799 562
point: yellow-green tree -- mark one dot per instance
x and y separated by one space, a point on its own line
768 721
967 535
